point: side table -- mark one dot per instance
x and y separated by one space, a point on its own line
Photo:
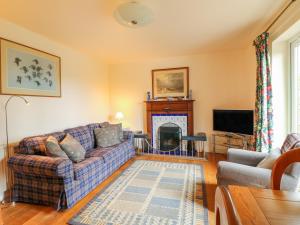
199 139
139 141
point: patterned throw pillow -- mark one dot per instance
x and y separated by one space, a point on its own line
107 136
72 148
104 124
290 141
53 149
119 127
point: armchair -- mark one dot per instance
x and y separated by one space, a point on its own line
240 169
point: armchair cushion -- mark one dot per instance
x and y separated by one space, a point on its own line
245 157
41 165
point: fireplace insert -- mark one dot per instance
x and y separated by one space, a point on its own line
169 135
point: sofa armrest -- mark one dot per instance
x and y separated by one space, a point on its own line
41 165
128 135
249 158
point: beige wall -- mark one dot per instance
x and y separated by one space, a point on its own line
85 94
218 80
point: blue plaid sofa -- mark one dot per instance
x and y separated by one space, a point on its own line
58 182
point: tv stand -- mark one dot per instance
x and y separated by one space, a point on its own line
231 140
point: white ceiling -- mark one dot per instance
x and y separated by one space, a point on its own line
180 27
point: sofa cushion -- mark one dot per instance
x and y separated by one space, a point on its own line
53 148
83 135
109 153
106 154
58 135
73 148
107 136
36 145
87 167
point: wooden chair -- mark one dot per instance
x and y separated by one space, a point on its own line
281 164
224 212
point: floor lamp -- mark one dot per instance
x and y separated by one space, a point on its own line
7 146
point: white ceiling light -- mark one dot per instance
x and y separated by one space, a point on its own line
133 14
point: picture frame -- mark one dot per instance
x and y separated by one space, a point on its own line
28 71
170 82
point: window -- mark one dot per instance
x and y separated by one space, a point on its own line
295 85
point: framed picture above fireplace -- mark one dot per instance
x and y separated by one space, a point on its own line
170 82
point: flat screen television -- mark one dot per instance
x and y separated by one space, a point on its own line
233 121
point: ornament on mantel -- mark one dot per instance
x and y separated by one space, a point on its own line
148 96
190 94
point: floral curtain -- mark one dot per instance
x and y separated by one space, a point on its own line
263 105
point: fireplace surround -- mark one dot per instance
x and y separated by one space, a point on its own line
160 116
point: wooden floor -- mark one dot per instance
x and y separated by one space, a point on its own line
41 215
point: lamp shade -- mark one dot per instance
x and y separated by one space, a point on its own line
133 14
119 116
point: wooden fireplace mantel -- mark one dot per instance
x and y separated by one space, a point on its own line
170 107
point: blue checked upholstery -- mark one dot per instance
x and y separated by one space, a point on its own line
128 135
60 183
83 135
41 165
36 145
92 127
85 167
33 145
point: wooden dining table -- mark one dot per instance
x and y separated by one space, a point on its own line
236 205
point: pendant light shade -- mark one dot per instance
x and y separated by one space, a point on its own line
133 14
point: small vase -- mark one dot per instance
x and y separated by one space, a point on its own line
190 94
148 96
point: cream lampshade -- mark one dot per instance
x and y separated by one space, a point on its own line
119 116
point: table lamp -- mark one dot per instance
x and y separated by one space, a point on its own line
119 116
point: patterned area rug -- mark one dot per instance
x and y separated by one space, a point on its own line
150 193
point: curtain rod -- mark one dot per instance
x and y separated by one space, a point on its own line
280 14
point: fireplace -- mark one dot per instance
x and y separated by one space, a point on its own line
169 137
167 121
